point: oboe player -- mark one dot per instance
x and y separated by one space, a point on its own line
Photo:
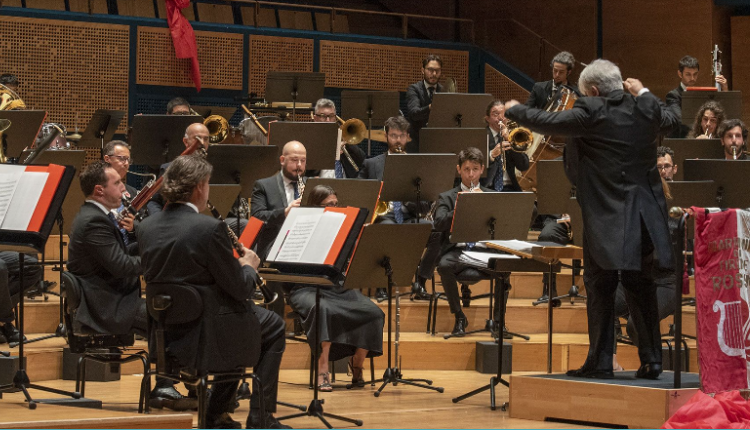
180 246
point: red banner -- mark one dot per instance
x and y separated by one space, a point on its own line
722 248
183 37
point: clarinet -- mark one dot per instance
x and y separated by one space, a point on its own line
268 295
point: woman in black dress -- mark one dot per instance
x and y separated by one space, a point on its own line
350 323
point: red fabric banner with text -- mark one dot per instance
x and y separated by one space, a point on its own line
183 37
722 247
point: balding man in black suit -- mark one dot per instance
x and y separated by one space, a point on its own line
611 159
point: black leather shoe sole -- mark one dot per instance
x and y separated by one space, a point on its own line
593 374
649 371
179 405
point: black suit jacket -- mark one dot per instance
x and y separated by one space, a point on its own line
108 272
611 159
541 93
358 156
183 247
514 160
373 168
443 218
417 112
268 204
674 100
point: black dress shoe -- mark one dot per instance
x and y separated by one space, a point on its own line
465 296
459 328
168 397
381 294
223 421
591 373
10 333
418 292
649 371
253 422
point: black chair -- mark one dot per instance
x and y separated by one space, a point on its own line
467 277
171 306
98 347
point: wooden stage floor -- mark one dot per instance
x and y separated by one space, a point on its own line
398 407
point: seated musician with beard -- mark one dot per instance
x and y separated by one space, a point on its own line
351 324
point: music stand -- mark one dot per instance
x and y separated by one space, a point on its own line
459 110
157 139
490 216
295 87
101 128
728 176
223 197
320 140
440 140
25 125
731 101
242 164
358 193
376 106
24 241
386 257
689 149
417 177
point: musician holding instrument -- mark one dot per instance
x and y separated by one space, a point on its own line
397 134
180 246
733 135
503 162
179 106
419 98
611 159
708 118
542 93
350 157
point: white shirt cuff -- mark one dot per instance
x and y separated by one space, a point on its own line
643 90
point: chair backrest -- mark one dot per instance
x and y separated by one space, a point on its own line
173 303
70 290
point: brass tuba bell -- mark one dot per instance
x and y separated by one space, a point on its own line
218 128
9 99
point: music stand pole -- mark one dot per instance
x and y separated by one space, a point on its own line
316 405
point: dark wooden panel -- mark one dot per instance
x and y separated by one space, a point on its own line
741 60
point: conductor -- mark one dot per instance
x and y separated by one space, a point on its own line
611 159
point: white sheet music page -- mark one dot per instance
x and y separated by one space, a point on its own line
9 178
297 237
322 238
306 236
25 198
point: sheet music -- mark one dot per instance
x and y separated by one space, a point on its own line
8 184
306 236
297 237
482 259
25 198
516 245
322 239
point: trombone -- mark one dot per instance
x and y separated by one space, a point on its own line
353 131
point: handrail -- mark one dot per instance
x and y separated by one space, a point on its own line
333 10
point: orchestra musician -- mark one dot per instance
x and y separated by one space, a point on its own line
180 246
709 116
541 93
325 111
503 162
351 325
397 134
612 162
733 135
11 81
274 197
419 99
117 154
665 163
179 106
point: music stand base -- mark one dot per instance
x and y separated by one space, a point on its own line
393 376
491 386
316 410
21 383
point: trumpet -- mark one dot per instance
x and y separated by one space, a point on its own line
268 295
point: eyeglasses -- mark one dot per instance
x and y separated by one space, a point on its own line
330 205
664 167
431 70
122 159
330 117
394 136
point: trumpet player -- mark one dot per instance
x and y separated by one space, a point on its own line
501 169
733 135
708 118
345 166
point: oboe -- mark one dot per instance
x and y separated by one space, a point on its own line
268 295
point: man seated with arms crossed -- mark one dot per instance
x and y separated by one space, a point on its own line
109 270
345 167
733 135
181 246
396 134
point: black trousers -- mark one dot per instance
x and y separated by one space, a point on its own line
273 343
10 281
640 293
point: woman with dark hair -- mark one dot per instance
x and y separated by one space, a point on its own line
708 118
350 323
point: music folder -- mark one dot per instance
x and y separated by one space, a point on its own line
314 245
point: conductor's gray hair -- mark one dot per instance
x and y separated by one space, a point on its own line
602 74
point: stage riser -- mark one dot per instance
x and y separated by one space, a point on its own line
585 401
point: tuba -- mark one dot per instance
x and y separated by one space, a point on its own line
218 128
9 99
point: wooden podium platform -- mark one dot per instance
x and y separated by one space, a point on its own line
623 401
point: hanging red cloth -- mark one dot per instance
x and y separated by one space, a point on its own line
183 37
724 411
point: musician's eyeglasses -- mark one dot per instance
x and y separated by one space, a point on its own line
664 167
394 136
122 159
325 117
331 205
433 70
